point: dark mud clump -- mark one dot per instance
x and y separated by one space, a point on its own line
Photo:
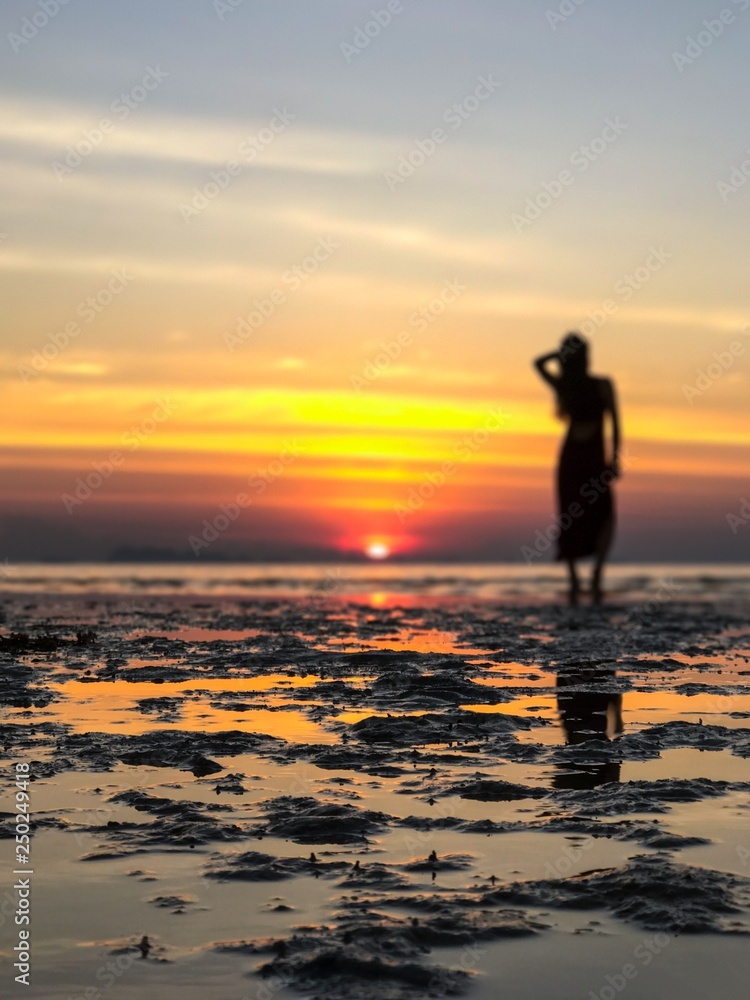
490 790
179 826
165 709
339 971
674 735
177 904
374 876
17 689
650 891
184 751
370 954
614 798
231 784
253 866
310 821
450 727
197 763
408 687
648 834
162 806
446 863
22 642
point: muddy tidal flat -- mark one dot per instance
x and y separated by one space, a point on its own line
252 798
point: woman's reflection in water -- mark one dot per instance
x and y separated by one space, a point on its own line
588 716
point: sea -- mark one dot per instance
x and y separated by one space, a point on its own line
496 582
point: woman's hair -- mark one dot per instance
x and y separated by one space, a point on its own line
574 356
574 388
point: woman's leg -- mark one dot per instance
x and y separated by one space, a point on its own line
604 544
575 586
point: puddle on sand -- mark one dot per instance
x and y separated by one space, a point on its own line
408 640
188 633
688 763
597 959
112 705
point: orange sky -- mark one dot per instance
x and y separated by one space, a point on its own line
312 329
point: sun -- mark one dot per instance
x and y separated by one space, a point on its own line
377 550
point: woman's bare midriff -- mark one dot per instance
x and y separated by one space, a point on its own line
584 430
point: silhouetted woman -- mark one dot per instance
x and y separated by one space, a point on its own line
584 473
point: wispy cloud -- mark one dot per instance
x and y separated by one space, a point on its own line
50 128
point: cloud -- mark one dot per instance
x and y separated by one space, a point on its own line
149 136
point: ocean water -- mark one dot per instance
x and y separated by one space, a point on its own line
508 582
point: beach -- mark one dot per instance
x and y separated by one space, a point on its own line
375 782
374 578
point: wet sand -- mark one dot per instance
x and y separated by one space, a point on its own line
380 798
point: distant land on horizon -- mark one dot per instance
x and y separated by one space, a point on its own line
678 534
22 544
127 555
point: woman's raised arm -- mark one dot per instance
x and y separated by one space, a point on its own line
541 366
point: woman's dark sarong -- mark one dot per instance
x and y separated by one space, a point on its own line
585 498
